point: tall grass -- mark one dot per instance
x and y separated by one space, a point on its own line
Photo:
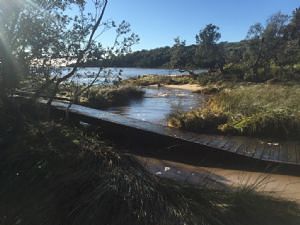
269 110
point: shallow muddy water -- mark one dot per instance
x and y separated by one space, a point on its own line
158 103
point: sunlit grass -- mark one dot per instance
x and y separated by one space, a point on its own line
256 110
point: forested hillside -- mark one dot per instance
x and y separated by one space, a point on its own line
270 49
160 57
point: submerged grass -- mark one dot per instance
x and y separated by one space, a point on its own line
111 96
269 110
57 173
159 80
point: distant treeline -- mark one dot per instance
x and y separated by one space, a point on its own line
159 57
155 58
270 50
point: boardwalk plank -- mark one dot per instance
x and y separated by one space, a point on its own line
237 145
259 150
229 144
206 140
284 154
249 149
274 152
217 142
265 152
297 150
240 148
277 152
291 153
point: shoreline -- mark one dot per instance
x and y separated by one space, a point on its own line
188 87
286 187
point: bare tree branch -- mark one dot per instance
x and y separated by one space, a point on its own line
80 57
77 94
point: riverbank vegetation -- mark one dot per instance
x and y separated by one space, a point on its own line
98 96
105 97
263 110
255 82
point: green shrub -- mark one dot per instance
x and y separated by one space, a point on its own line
283 124
236 70
205 121
209 78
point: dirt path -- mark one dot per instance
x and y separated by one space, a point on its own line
283 186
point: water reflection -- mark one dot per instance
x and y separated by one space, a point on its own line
108 75
159 103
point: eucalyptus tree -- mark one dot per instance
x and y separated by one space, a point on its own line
254 50
178 59
209 53
266 44
291 54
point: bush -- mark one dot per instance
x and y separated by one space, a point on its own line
254 110
209 90
112 96
209 78
235 70
283 124
203 120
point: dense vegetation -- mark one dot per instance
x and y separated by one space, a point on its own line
268 51
263 110
111 96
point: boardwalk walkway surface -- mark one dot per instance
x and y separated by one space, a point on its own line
282 152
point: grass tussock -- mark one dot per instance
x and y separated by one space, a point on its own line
210 89
268 110
111 96
54 173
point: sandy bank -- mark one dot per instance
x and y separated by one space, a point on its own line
282 186
189 87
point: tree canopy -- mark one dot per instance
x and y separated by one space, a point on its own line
269 50
38 36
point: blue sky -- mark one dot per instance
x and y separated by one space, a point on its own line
158 22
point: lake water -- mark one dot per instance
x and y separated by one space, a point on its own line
108 75
158 103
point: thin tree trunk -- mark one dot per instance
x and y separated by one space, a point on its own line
58 81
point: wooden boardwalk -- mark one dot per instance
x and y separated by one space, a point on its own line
282 152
